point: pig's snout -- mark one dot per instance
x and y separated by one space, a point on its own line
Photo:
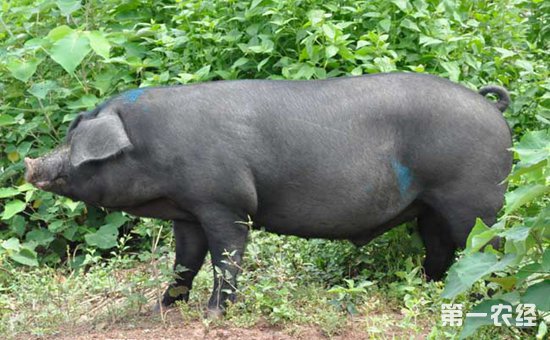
30 175
30 166
48 172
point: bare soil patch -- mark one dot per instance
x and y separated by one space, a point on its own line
150 325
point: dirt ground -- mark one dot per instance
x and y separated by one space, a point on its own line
149 326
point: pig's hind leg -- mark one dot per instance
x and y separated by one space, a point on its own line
440 247
451 215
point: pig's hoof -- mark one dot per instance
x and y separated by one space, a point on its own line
214 313
157 309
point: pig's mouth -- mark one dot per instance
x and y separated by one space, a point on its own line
45 185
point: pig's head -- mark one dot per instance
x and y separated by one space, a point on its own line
49 172
94 165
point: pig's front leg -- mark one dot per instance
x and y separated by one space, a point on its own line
191 248
226 242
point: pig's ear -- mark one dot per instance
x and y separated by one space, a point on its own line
98 139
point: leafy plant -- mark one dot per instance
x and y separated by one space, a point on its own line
347 297
521 273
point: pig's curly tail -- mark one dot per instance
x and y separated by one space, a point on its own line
500 92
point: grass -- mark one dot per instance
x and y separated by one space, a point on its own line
289 284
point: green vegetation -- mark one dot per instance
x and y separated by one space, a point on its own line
60 259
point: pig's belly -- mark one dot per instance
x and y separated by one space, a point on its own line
333 217
159 208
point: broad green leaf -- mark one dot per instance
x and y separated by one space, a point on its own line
184 78
384 64
226 75
507 282
346 53
480 235
25 256
539 294
68 6
70 50
257 49
515 233
471 324
69 203
35 43
329 31
57 226
452 69
331 51
11 244
202 73
23 69
20 253
304 72
86 101
385 24
316 16
410 25
99 43
516 238
104 238
6 119
511 297
116 219
59 32
104 80
427 41
41 90
262 63
69 117
471 268
8 192
504 52
18 225
523 195
12 208
542 330
546 260
541 222
26 187
70 233
24 148
40 236
525 64
320 73
402 4
521 169
254 4
239 62
357 71
533 147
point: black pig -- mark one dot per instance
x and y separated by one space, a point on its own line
345 158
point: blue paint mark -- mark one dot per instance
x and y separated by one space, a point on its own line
369 188
133 95
403 174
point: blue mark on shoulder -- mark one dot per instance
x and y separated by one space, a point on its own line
403 175
133 95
